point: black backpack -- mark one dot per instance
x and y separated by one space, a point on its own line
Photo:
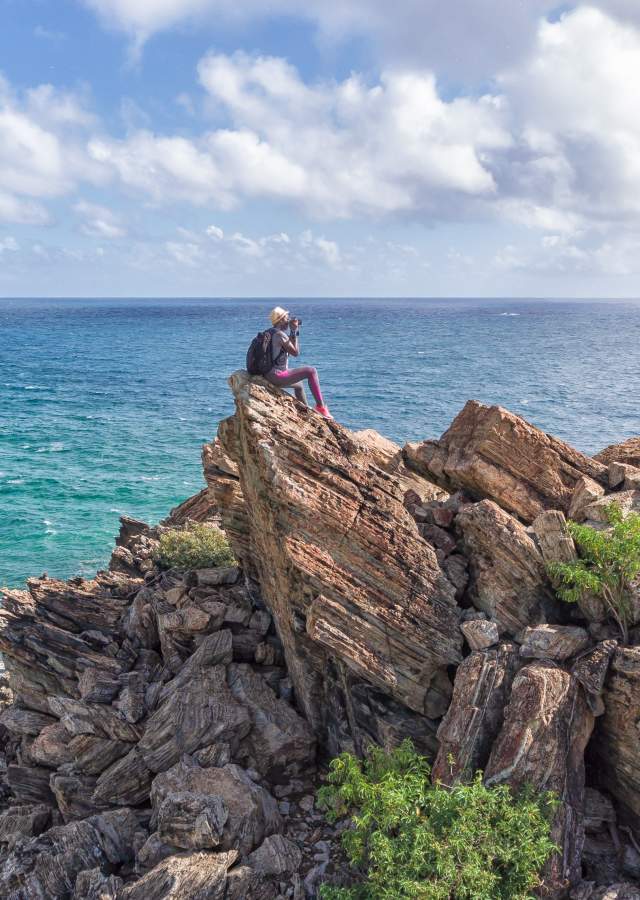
260 353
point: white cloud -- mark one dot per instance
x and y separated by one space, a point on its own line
99 222
41 150
8 244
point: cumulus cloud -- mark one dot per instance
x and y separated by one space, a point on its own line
42 153
337 149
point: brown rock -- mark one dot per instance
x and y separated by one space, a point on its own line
126 783
276 856
616 746
626 452
554 541
628 501
480 633
480 693
20 822
508 578
73 795
497 455
29 784
591 670
620 473
213 807
341 564
51 747
94 885
546 729
557 642
24 721
586 491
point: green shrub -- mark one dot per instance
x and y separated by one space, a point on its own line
608 563
195 547
411 839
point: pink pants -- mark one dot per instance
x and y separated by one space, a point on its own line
293 377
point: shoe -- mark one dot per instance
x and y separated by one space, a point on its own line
323 411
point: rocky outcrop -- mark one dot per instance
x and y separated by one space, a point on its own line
499 456
158 730
627 452
542 742
356 592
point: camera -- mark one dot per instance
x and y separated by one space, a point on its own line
296 318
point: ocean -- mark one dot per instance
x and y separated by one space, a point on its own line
104 404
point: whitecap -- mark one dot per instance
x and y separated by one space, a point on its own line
150 478
46 522
50 531
508 314
15 480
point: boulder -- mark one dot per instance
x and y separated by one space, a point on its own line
554 541
508 579
497 455
626 452
219 807
480 633
198 876
615 746
623 475
586 491
340 561
557 642
200 712
591 669
279 736
277 855
20 822
47 866
546 728
628 501
480 693
93 884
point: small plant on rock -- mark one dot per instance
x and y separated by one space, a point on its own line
409 838
198 546
607 565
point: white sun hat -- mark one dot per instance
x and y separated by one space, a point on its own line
277 313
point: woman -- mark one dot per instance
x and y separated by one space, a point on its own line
283 346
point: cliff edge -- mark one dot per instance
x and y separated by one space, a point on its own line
162 729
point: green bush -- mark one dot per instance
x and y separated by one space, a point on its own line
195 547
608 563
412 839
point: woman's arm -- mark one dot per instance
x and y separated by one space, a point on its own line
291 344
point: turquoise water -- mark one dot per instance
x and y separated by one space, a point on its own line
104 403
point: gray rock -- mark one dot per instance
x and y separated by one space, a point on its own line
557 642
480 633
586 492
276 856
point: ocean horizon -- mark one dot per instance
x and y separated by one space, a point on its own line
105 402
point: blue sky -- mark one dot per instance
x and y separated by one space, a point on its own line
207 148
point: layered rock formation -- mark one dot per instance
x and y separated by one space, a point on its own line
160 729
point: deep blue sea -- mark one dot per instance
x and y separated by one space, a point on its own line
104 404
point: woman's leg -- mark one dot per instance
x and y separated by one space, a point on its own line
291 377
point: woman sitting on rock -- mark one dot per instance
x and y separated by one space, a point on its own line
283 346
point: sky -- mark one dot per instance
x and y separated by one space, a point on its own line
364 148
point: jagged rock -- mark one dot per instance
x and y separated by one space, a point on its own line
480 634
213 807
29 784
20 822
508 579
546 729
24 721
276 856
216 649
223 481
47 866
480 693
615 745
554 541
125 783
497 455
243 882
626 452
279 736
73 795
97 719
586 491
131 699
198 508
377 718
622 474
557 642
51 747
337 552
389 457
93 884
91 755
152 852
591 670
198 876
628 501
96 686
456 568
216 577
200 712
